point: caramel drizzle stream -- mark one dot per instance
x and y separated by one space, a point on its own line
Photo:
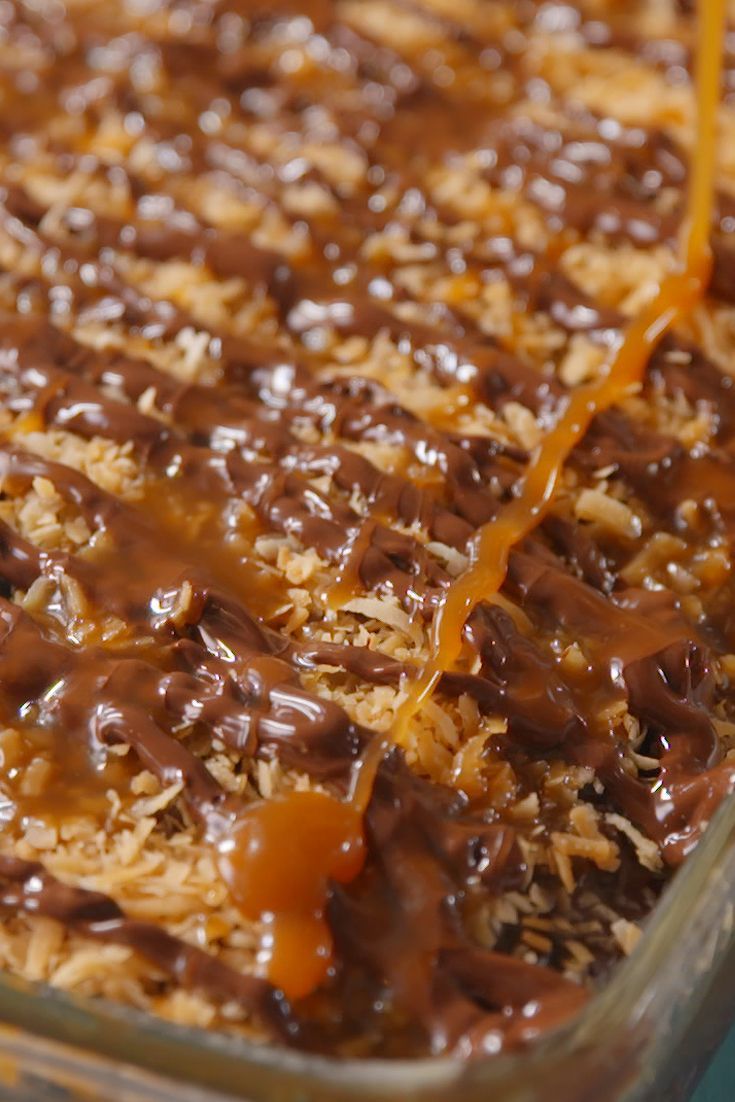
677 296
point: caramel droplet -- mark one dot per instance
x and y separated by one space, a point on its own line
278 864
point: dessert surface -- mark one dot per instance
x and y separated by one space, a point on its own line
323 719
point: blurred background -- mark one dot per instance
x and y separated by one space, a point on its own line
718 1084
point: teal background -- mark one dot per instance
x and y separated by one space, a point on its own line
718 1084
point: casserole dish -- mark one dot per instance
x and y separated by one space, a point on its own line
277 481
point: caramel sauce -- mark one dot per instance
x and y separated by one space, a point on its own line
278 864
347 583
189 525
54 781
676 297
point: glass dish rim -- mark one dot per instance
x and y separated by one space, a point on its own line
101 1028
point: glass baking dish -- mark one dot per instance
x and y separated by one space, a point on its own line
646 1036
